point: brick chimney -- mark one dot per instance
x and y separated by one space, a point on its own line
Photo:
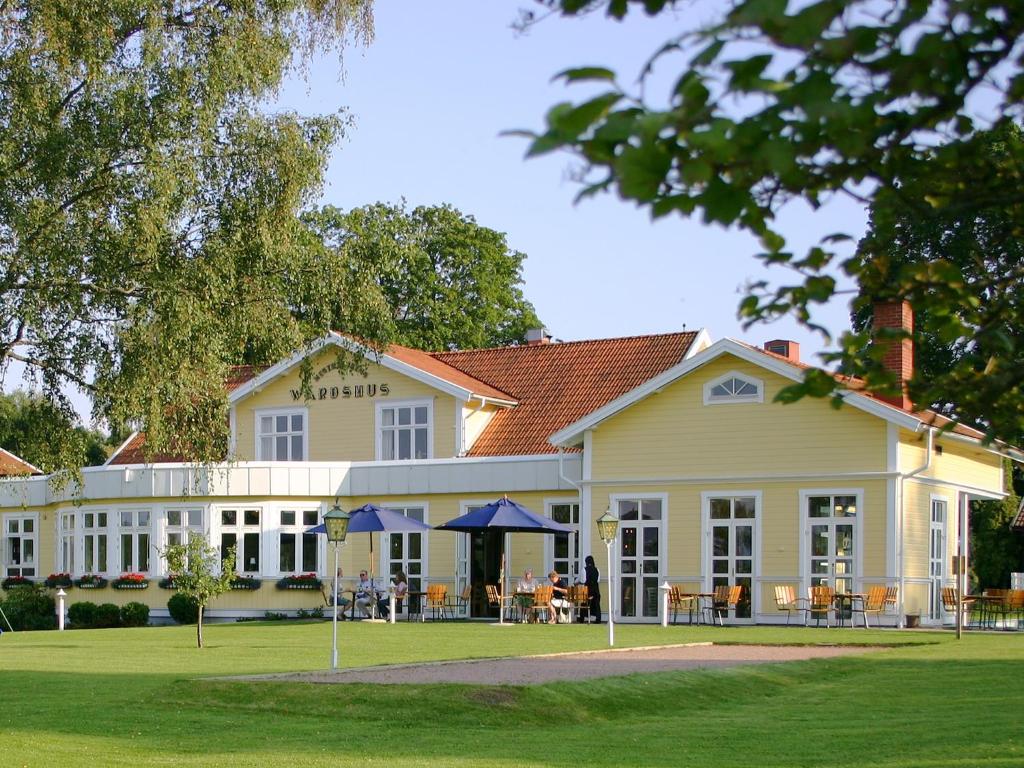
784 347
536 336
898 355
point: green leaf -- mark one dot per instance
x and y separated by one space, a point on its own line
574 122
641 171
579 74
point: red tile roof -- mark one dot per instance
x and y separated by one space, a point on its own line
11 465
556 384
429 363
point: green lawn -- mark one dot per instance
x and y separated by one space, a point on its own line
131 697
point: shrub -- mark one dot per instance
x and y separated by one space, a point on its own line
107 615
183 610
30 607
82 615
134 615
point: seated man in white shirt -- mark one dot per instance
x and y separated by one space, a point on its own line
364 594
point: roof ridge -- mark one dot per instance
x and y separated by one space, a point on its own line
577 342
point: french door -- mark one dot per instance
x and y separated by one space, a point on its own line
406 551
733 549
641 552
936 558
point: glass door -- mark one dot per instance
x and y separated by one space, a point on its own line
640 555
732 549
406 551
937 559
833 521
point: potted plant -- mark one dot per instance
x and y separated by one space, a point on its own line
130 581
300 581
91 581
58 580
15 581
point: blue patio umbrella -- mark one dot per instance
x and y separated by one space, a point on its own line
371 519
504 516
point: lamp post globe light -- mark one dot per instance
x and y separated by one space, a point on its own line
336 522
608 529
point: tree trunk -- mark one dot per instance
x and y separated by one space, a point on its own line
199 628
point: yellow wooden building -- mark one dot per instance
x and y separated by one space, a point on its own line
713 481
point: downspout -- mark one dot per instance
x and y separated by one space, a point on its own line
930 443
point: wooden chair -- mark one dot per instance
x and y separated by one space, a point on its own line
949 600
461 600
677 601
820 599
541 602
496 600
579 599
786 600
873 603
724 600
436 601
1016 602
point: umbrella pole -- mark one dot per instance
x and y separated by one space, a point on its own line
373 587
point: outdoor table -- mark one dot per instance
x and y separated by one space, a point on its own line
525 601
696 607
846 597
986 614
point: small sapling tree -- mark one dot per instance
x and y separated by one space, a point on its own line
199 574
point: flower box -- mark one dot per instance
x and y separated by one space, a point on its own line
167 583
15 581
300 581
91 581
130 581
246 583
58 580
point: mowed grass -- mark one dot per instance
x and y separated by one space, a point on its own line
139 697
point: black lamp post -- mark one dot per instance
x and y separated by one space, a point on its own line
336 523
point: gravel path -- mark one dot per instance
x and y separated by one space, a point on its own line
528 670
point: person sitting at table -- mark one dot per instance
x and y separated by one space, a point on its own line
339 597
559 596
399 586
364 594
524 589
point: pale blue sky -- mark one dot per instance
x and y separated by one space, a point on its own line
431 96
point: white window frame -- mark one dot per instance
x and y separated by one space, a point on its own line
381 405
705 542
935 609
709 399
67 543
549 541
613 503
16 569
135 530
106 531
298 528
858 532
385 546
240 529
184 530
273 413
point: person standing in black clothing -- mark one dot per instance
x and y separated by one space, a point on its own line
593 582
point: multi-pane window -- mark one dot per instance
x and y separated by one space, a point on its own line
833 521
281 436
404 431
733 388
298 550
182 524
135 533
565 547
67 542
94 537
240 528
20 545
407 550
